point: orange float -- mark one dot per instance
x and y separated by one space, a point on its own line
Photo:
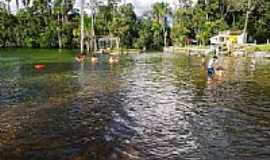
39 66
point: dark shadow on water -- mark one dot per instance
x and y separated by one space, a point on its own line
90 127
65 111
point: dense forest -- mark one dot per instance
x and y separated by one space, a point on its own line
57 24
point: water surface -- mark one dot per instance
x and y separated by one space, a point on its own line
149 106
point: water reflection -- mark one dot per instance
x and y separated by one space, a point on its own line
154 106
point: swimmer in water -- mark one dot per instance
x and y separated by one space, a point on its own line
94 59
113 60
80 58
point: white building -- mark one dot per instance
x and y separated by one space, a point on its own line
227 36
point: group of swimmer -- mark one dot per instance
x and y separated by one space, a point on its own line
212 69
94 59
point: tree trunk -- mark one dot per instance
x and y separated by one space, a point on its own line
234 19
110 40
9 9
93 34
62 24
117 43
246 22
206 4
82 26
65 11
88 45
18 40
60 45
94 43
17 5
245 28
164 28
165 38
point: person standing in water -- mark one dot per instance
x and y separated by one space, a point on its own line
214 67
212 63
211 66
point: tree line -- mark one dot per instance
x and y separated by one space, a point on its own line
56 24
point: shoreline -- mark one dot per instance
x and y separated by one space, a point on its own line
246 50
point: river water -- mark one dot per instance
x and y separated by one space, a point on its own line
152 106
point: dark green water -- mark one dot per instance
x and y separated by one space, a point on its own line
150 106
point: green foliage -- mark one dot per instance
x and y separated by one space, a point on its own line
265 48
157 30
39 25
182 28
258 48
207 18
123 25
145 37
36 26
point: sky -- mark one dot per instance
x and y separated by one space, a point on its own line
144 5
140 5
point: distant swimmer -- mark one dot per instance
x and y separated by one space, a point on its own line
80 58
39 66
94 59
113 60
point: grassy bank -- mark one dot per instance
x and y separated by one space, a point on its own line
192 47
259 48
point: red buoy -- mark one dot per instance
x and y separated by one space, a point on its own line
39 66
